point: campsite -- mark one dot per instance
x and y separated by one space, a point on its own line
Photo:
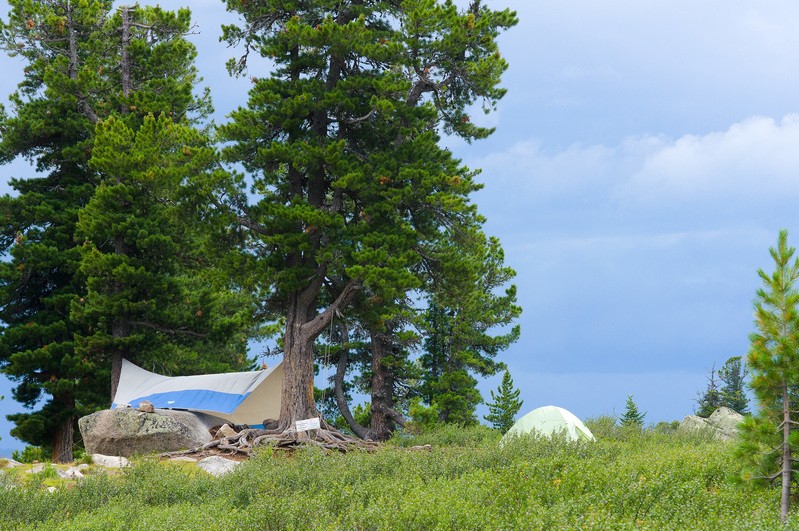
405 264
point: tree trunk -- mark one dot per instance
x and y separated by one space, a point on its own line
382 388
116 371
83 105
303 326
125 66
785 501
63 440
296 398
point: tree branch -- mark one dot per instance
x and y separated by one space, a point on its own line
315 326
353 121
338 386
173 331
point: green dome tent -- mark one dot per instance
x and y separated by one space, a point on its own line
548 420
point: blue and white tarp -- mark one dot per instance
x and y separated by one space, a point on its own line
237 397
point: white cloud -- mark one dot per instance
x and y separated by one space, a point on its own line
755 158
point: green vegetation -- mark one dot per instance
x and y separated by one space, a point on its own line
98 261
626 480
504 404
338 206
732 374
731 394
350 204
632 416
770 437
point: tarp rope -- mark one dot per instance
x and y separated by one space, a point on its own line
327 359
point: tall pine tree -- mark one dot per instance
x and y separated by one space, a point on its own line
146 260
461 322
84 64
341 147
51 125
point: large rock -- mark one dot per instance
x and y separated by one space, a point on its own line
723 423
726 421
127 431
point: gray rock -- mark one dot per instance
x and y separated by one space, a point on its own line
225 431
146 406
35 469
693 422
722 424
217 466
71 473
110 461
128 431
726 421
10 463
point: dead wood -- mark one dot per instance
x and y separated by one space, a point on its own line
244 442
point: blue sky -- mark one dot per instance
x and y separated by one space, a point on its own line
645 158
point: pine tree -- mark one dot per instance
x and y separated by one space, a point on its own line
733 394
341 144
768 439
459 326
504 405
144 259
711 399
84 64
632 416
51 123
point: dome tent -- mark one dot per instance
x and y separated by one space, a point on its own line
548 420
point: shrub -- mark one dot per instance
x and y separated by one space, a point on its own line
30 454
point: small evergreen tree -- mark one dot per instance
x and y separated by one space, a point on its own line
504 404
769 439
732 393
711 399
632 417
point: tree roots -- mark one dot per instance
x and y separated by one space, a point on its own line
244 442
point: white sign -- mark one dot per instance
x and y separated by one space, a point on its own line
308 424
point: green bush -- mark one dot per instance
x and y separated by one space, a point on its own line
447 435
30 454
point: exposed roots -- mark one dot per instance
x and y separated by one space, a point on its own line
244 442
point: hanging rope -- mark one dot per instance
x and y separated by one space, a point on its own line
327 359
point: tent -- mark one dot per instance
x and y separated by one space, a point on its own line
237 397
548 420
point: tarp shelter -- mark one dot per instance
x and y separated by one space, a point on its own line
237 397
548 420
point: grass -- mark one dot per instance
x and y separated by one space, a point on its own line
625 480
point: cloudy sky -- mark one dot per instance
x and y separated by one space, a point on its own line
645 158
